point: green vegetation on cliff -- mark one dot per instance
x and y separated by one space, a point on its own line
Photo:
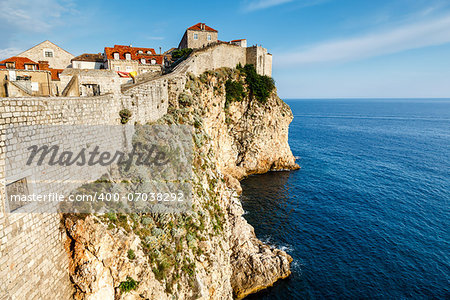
260 86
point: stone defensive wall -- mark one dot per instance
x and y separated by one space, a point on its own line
33 261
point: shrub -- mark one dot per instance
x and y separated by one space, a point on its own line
125 115
128 285
147 221
234 92
185 99
131 254
260 86
179 53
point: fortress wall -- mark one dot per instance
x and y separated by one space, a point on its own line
33 262
215 57
262 60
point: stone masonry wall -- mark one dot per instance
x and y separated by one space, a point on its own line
33 262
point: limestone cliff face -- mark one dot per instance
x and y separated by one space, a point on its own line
249 137
212 252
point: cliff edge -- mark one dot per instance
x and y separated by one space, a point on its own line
211 252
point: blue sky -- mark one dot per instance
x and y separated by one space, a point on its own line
321 48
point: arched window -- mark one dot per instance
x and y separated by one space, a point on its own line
149 52
128 56
153 61
143 61
140 52
116 55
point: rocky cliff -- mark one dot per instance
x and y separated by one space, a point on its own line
211 252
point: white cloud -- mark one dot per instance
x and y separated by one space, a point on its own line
33 16
9 52
262 4
412 36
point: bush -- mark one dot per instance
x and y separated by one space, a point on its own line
234 92
131 254
128 285
179 53
125 115
260 86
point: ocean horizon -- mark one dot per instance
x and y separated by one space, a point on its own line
367 215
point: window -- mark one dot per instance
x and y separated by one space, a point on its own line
48 53
116 55
129 69
10 65
143 61
30 67
209 37
153 61
149 52
17 188
117 68
140 52
127 56
195 36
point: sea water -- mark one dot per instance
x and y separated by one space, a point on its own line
368 214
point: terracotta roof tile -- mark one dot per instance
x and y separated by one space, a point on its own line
89 57
198 26
122 50
19 61
55 73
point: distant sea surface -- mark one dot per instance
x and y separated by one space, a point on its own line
368 214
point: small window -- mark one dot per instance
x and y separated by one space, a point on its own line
209 37
10 65
129 69
195 36
140 52
153 61
116 55
143 61
117 68
48 53
127 56
18 189
30 67
149 52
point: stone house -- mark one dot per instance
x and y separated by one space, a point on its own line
89 61
90 82
22 77
128 59
241 42
198 36
57 57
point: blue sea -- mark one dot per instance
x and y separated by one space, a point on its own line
368 214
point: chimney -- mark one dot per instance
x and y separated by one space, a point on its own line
43 65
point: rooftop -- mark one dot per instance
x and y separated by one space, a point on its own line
122 50
202 26
89 57
20 62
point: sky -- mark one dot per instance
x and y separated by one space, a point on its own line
320 48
